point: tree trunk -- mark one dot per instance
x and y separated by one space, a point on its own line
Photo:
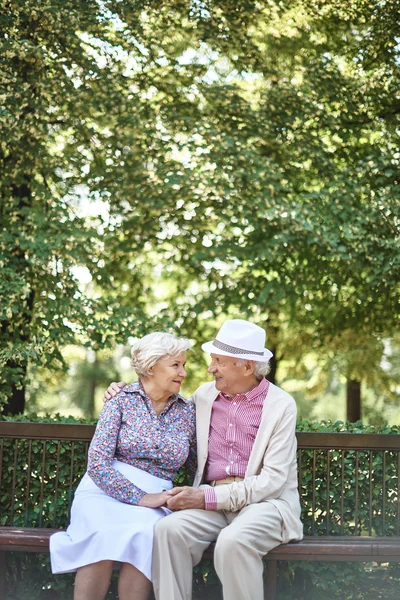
272 343
274 367
15 404
17 330
353 392
92 387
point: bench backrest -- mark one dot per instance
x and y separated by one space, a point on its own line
349 483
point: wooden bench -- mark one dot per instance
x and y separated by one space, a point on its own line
349 486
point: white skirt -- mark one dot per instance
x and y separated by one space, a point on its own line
103 528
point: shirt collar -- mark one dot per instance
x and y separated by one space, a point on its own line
260 389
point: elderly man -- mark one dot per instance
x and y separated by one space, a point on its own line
244 494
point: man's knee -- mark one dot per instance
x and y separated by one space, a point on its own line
227 543
163 529
170 528
230 544
161 526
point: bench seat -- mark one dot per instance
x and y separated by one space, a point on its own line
25 539
343 548
324 548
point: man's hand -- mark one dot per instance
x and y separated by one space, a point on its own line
185 497
113 389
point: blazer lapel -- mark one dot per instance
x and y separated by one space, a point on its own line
204 406
263 435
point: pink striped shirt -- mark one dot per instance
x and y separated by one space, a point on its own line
233 427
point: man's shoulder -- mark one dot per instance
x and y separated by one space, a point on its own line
277 394
209 386
204 391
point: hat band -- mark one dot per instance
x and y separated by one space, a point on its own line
234 350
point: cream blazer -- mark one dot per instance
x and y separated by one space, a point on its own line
271 474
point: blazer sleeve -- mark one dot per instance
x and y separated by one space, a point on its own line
277 467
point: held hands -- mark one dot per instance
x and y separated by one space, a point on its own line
185 497
155 500
113 389
178 498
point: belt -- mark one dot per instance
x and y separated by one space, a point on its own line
226 480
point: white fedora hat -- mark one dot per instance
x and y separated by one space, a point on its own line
240 339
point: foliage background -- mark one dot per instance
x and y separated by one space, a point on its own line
169 164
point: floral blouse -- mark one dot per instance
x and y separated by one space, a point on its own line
129 430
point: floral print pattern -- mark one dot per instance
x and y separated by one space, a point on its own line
129 430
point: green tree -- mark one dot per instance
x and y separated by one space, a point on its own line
294 154
249 152
62 152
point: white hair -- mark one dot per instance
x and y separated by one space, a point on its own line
261 369
147 351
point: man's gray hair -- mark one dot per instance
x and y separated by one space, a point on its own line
261 369
147 351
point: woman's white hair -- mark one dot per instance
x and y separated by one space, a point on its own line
261 369
147 351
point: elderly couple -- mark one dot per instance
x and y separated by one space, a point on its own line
244 496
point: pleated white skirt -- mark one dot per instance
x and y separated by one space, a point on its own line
103 528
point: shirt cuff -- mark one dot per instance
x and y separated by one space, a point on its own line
137 496
210 499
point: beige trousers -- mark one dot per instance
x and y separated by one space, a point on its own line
243 538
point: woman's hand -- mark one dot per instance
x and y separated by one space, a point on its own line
155 500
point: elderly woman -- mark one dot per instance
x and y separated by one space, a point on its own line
143 436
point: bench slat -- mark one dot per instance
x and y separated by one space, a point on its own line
47 431
321 547
325 547
33 540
